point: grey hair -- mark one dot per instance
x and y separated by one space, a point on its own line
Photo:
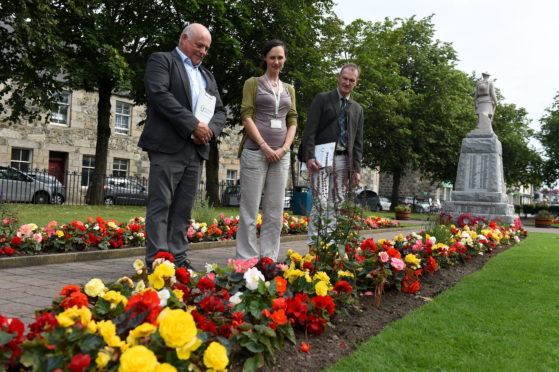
189 31
351 66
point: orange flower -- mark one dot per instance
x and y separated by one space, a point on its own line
279 317
281 285
305 347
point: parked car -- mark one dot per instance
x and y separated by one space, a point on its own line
121 191
421 206
368 199
16 186
384 203
231 197
58 189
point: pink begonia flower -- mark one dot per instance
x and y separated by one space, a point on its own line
210 276
397 263
37 237
52 225
384 256
282 267
190 232
242 266
25 231
418 246
227 221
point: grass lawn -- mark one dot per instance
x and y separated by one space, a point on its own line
501 318
42 214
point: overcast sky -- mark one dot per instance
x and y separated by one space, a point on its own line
516 41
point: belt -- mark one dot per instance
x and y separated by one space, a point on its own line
341 152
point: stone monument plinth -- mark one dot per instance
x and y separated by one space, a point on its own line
480 188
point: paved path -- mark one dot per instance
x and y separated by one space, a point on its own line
26 289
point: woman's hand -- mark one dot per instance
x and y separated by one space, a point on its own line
270 155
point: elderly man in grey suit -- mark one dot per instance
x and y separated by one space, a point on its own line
333 118
176 140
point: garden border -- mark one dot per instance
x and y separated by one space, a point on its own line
57 258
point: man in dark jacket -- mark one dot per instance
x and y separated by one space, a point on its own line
176 140
333 118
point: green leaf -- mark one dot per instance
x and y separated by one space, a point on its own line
55 362
5 337
253 363
254 347
91 343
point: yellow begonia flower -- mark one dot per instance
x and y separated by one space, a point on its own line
70 316
413 260
138 264
178 293
342 273
140 287
215 357
176 327
399 238
165 367
115 298
293 274
321 275
184 351
107 330
92 327
141 331
381 241
59 233
296 257
138 359
427 236
157 278
95 287
308 277
102 359
309 257
321 288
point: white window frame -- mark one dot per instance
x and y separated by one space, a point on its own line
87 169
17 163
120 167
231 176
62 104
123 118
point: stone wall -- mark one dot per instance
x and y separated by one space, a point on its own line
413 183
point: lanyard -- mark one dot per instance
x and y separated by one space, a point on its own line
276 98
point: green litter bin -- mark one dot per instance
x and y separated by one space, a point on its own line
301 203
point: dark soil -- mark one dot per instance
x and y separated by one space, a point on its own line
366 321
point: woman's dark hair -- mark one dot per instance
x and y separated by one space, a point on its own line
269 46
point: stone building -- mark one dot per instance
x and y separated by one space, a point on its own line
66 143
415 184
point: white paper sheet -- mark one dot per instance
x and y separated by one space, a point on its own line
205 107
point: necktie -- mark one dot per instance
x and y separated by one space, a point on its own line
343 123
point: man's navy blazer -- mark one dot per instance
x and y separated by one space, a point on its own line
170 119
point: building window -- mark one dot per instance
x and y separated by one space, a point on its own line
88 168
120 167
231 176
21 159
122 118
62 114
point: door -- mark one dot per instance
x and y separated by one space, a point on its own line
57 165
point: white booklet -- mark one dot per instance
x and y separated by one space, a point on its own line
205 107
324 155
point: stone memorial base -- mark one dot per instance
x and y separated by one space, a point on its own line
480 188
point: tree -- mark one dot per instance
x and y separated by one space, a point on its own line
418 106
522 165
549 137
102 46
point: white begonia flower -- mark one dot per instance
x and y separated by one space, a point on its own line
204 229
95 287
96 227
140 287
236 298
433 240
210 267
252 277
164 295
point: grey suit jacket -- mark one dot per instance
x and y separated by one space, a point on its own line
323 127
170 119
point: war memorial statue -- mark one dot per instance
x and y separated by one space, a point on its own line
480 188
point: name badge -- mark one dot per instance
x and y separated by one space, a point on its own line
275 123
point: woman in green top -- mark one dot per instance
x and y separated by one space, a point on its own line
269 116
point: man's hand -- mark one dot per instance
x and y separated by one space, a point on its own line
356 179
202 134
313 165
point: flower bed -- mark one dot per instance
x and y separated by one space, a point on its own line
97 233
173 319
